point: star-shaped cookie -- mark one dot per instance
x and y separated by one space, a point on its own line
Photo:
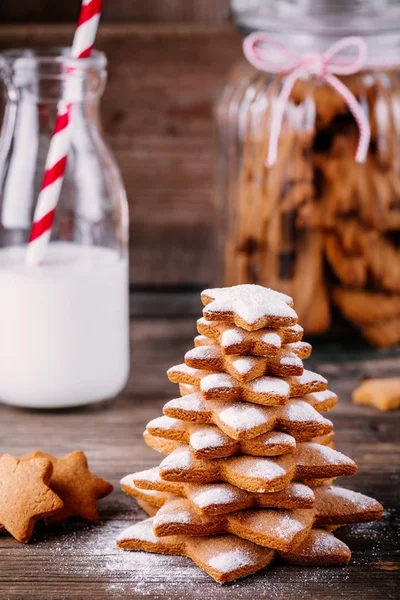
297 421
215 498
223 557
249 306
76 485
246 368
234 340
25 495
269 391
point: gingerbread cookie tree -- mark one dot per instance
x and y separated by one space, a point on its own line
250 459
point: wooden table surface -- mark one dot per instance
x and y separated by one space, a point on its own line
78 561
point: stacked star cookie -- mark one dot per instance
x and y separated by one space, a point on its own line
250 460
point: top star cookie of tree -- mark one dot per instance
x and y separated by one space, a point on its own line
249 306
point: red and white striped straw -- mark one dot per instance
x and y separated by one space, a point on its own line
56 160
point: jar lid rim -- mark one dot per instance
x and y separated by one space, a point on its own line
327 17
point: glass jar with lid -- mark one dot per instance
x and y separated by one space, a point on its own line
309 161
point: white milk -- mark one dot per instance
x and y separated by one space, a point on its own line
64 326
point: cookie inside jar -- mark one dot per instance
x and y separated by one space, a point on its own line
317 224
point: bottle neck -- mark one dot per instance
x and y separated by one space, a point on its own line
48 79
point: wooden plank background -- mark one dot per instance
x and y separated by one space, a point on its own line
118 10
157 118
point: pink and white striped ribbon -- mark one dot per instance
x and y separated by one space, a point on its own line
56 160
271 56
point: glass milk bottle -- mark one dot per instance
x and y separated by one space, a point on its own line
64 325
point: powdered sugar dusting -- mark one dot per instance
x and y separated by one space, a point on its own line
90 553
214 495
191 402
187 388
353 499
203 340
149 493
333 456
127 480
324 542
293 346
242 416
272 339
324 395
320 397
264 468
290 359
152 475
308 377
181 516
299 347
299 411
208 437
313 453
142 531
182 368
243 365
203 321
270 385
215 381
156 576
230 337
164 423
203 353
178 459
201 337
228 561
278 437
299 490
287 524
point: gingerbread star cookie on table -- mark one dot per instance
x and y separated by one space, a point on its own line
382 393
76 485
25 495
249 306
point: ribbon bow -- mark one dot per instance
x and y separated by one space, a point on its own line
266 54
